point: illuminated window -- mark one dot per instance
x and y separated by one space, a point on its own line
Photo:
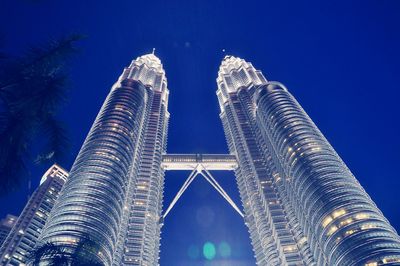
338 213
327 221
350 232
302 240
390 260
346 222
361 216
290 248
332 230
368 226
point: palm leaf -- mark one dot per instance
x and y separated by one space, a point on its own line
50 253
57 142
14 139
79 254
31 90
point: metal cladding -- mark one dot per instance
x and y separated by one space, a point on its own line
108 179
345 226
140 240
302 204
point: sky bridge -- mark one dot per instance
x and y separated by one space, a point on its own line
210 162
200 164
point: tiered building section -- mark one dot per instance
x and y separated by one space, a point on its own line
272 229
142 236
114 193
302 204
342 225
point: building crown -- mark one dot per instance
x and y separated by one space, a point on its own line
147 69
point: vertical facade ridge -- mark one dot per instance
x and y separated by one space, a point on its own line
338 214
272 235
111 174
302 204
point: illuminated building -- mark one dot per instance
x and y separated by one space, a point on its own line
27 228
302 204
114 192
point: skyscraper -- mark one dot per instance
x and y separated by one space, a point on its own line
302 204
141 239
114 192
24 234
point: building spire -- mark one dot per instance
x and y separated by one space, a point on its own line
224 53
154 49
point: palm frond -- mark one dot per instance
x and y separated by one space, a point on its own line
14 139
57 142
50 253
51 53
85 253
42 60
31 90
13 171
79 254
40 95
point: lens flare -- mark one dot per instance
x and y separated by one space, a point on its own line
224 249
193 252
209 251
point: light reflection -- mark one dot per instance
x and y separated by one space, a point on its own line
193 252
209 251
224 249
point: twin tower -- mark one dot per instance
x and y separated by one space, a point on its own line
301 204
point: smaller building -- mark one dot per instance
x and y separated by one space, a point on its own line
27 228
6 225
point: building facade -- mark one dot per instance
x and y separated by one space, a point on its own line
114 192
302 204
26 230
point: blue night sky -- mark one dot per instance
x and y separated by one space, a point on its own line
339 59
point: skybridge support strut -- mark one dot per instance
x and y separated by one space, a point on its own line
201 170
207 175
185 185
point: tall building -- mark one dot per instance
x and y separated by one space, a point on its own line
6 224
24 234
114 193
302 204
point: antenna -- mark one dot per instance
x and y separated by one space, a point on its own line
224 53
154 49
